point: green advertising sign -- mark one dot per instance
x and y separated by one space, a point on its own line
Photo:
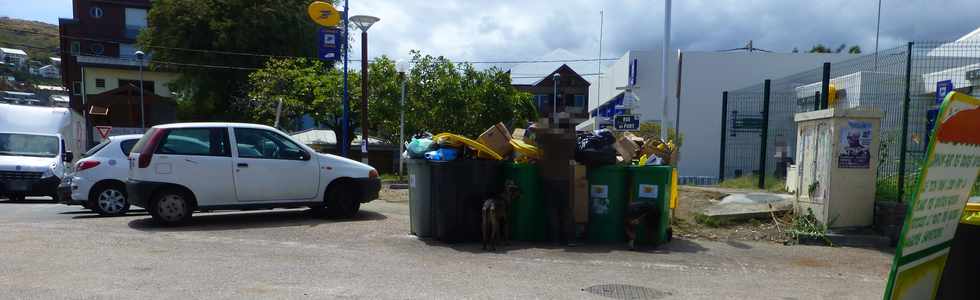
943 188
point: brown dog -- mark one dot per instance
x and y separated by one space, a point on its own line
496 225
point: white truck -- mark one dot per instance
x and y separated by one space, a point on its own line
36 149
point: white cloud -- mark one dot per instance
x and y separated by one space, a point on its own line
527 29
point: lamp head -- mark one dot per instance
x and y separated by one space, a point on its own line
139 55
364 22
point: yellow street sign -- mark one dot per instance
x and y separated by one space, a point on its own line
324 13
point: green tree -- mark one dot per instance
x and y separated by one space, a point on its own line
225 30
819 48
441 97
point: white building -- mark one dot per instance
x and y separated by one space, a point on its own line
49 71
704 76
14 57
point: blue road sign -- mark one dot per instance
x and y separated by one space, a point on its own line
626 123
329 42
943 88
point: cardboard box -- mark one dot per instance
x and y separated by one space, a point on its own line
580 194
497 137
626 148
519 134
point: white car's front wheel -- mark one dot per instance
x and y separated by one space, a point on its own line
171 207
110 200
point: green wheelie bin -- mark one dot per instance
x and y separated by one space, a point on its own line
528 221
607 204
652 184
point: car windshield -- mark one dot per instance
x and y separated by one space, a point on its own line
13 144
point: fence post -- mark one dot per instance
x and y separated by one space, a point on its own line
905 125
816 101
724 135
825 87
765 135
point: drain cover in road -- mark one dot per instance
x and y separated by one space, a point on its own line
625 291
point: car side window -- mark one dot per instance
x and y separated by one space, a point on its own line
195 141
127 146
260 143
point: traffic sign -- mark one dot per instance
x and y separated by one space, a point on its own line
104 131
324 13
329 41
943 88
626 123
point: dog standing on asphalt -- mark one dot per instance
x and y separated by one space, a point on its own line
496 224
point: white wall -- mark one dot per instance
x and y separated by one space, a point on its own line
705 76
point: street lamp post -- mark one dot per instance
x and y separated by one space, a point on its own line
402 72
139 56
363 23
554 103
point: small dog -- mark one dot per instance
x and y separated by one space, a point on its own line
496 225
635 213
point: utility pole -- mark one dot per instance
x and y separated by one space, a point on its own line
663 73
346 115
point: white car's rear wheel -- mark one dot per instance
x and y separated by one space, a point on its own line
171 207
111 200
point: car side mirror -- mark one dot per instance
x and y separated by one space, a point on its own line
68 157
297 154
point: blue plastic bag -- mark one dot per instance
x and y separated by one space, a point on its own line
444 154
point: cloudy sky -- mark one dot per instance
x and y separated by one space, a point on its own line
528 29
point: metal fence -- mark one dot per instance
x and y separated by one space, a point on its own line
900 82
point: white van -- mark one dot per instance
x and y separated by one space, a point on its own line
36 149
176 169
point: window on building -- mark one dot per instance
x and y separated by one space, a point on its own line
147 85
135 21
76 88
543 101
95 12
76 48
100 83
580 100
96 49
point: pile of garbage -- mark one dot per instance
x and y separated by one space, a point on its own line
601 147
496 143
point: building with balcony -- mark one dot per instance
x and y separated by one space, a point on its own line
101 72
13 57
572 87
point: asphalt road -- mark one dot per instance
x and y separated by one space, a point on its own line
52 251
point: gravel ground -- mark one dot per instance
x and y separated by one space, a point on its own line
51 251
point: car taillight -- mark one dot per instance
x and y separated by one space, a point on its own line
373 174
151 145
85 165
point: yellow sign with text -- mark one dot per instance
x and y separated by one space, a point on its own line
324 13
945 183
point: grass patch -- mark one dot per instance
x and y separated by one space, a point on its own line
709 221
751 182
389 177
807 226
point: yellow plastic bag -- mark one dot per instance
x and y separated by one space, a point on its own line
482 150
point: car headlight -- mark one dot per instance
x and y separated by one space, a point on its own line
48 173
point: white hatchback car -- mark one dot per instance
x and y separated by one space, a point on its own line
98 181
176 169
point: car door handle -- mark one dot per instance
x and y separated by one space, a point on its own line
242 165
